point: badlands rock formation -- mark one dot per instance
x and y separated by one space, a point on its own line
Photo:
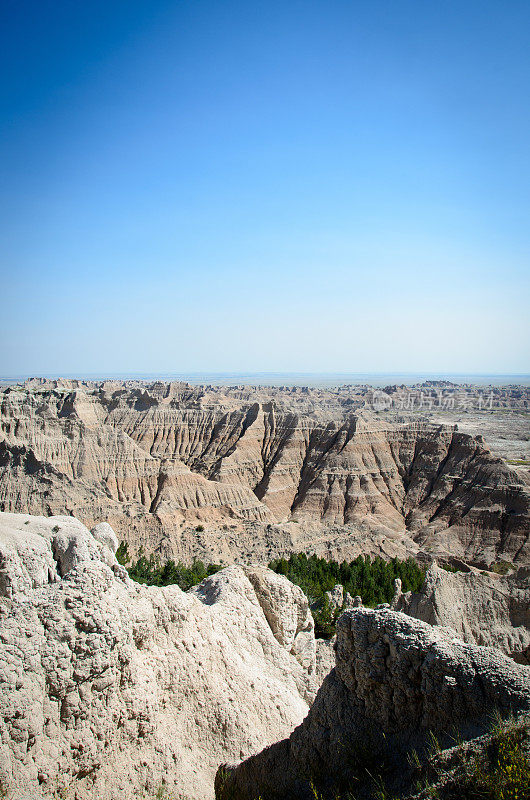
113 689
483 608
397 680
264 472
339 600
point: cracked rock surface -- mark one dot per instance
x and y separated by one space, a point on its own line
110 689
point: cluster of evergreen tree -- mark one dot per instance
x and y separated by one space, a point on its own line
151 571
372 579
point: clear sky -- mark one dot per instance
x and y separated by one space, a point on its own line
337 185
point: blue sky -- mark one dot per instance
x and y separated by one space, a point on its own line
284 186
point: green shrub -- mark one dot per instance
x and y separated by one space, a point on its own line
502 771
496 767
122 554
502 567
372 579
325 620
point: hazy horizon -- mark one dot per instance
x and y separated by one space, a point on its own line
326 187
322 379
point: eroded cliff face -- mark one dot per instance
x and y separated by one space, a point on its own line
483 608
397 681
112 689
156 460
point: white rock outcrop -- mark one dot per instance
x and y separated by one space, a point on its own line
339 600
113 689
287 611
483 608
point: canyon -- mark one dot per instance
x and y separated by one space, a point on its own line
227 473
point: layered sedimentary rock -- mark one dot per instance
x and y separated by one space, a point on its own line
483 608
397 682
112 689
155 460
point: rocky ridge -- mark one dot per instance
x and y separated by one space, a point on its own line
155 460
114 689
110 688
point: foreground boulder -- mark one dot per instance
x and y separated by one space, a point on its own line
397 683
482 608
113 689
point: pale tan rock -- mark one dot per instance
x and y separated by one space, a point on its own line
339 600
486 609
26 561
287 611
104 534
185 493
113 689
325 657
